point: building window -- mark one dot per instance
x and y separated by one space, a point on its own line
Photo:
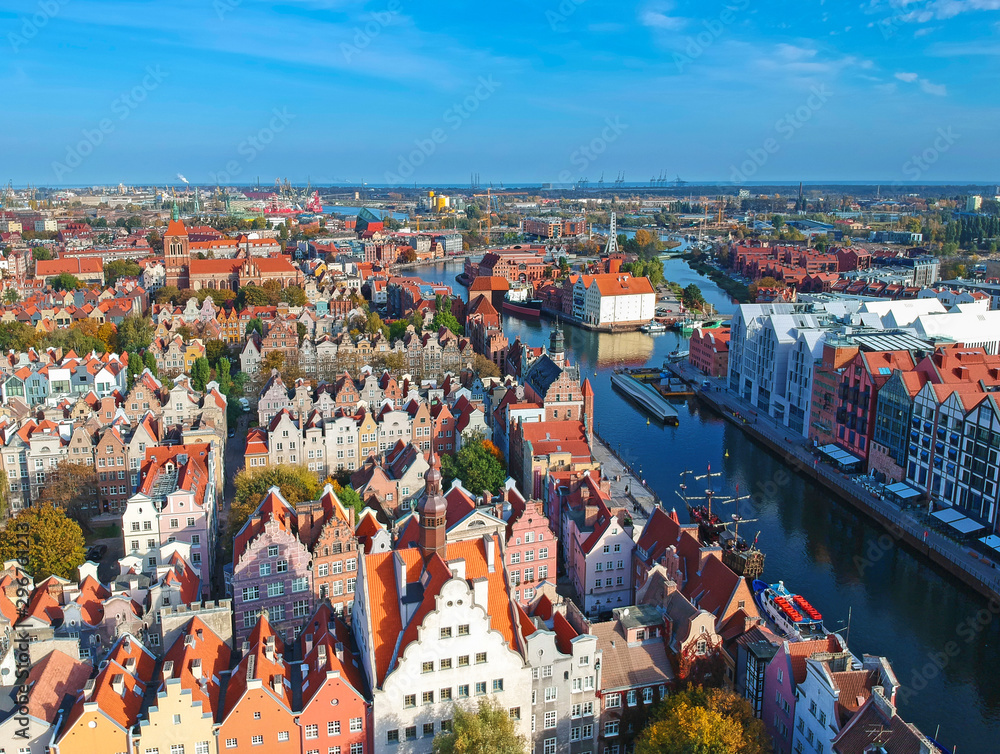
282 735
257 740
497 685
480 688
550 720
427 667
613 700
272 551
444 695
463 630
357 748
230 743
427 697
611 728
550 693
312 731
463 691
410 700
514 713
549 747
428 730
355 724
463 661
445 633
333 728
411 733
392 736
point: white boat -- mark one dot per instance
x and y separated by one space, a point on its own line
653 326
645 395
678 355
791 614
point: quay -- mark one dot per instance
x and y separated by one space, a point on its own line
957 559
626 480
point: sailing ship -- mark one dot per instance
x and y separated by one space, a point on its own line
743 557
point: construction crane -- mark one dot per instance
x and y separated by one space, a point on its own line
620 180
600 183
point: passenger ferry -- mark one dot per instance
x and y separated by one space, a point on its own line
790 613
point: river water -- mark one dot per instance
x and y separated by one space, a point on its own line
939 634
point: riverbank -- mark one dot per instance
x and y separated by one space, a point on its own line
734 288
956 559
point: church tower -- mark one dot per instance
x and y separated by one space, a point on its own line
176 253
433 512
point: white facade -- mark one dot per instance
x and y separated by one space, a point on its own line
596 308
409 708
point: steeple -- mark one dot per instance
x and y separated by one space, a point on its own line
175 214
433 512
557 345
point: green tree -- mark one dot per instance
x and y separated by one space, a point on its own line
216 349
135 333
255 324
120 268
252 295
488 729
350 499
150 362
224 376
700 721
16 336
296 484
692 297
201 373
373 323
135 367
443 316
71 487
479 465
66 282
41 254
44 540
484 367
293 296
11 296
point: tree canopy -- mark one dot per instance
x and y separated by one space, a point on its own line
70 487
66 282
135 333
488 729
479 465
44 540
120 268
296 483
703 721
443 316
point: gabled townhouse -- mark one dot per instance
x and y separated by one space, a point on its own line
188 699
258 708
566 673
597 549
335 712
175 502
108 707
328 529
457 643
271 570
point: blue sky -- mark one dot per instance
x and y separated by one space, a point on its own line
522 90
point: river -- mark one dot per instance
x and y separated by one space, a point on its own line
900 604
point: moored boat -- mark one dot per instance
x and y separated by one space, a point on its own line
645 395
791 613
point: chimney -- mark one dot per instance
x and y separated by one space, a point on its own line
491 557
168 670
196 667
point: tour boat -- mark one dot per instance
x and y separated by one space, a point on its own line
791 613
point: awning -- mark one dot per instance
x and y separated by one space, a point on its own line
966 526
992 541
947 515
903 491
839 455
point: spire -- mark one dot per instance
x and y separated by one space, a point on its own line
433 511
175 214
557 344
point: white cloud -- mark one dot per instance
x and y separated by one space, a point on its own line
909 78
922 11
938 90
656 15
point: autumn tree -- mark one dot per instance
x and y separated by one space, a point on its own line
296 484
71 487
44 540
712 721
272 360
484 367
488 728
479 465
108 336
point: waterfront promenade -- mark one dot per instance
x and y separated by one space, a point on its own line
626 481
910 526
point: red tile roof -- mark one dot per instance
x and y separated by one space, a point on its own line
50 680
199 659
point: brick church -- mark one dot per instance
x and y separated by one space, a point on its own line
220 274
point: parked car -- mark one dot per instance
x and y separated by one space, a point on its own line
245 404
97 552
